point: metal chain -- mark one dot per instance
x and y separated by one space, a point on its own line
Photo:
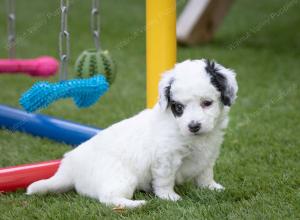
95 23
64 41
11 37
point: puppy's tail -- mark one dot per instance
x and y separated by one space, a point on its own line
60 182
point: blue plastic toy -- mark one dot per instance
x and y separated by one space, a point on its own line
85 92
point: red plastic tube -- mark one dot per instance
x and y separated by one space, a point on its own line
19 177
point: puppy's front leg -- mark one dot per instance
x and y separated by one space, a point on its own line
163 172
206 180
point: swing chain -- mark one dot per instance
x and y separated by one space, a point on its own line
64 40
11 28
95 23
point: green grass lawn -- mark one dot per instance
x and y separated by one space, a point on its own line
259 162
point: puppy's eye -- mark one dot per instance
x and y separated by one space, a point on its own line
206 103
177 108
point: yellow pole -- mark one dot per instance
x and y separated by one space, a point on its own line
161 43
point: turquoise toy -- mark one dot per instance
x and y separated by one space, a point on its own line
85 92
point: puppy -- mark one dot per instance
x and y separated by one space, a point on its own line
176 141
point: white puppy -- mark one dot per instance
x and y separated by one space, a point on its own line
176 141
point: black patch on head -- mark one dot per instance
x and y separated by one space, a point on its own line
219 81
168 92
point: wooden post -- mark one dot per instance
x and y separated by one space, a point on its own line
200 19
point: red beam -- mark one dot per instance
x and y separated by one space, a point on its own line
21 176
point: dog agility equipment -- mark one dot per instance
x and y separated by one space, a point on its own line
44 126
161 51
12 178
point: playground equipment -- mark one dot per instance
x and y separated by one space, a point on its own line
94 63
16 177
160 43
161 17
43 66
200 19
45 126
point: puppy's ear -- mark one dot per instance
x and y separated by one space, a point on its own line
224 81
165 85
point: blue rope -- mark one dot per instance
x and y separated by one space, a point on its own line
85 92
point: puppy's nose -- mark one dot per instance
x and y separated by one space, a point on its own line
194 126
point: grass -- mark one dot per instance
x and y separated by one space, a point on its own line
259 162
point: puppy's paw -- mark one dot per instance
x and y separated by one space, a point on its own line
216 186
121 204
168 195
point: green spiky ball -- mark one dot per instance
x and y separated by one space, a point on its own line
92 62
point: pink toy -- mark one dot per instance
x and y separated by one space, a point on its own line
42 66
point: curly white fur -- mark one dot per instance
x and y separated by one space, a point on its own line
155 149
